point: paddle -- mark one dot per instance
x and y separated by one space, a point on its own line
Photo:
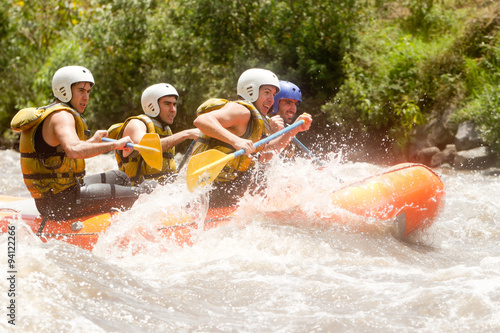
150 149
186 156
213 161
317 160
304 148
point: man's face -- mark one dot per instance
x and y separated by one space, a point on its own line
168 109
80 93
266 98
287 108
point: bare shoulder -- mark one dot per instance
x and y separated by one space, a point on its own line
59 127
61 116
233 111
236 108
59 119
233 116
135 129
135 125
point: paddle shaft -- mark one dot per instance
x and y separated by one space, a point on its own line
186 156
304 148
317 160
130 145
270 137
227 158
149 147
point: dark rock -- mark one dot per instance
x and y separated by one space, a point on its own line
425 155
446 156
477 158
439 135
491 172
419 142
467 136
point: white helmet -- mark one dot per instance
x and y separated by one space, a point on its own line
251 80
64 77
152 94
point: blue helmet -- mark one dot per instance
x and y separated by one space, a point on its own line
287 90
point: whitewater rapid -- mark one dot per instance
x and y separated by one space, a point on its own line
258 275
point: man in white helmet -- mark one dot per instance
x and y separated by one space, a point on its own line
159 103
230 126
54 144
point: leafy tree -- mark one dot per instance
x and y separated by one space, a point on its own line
114 36
29 34
411 64
363 66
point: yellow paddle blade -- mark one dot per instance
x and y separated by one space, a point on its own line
203 168
150 149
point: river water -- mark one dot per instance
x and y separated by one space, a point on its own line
258 275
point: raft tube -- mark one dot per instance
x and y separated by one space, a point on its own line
411 195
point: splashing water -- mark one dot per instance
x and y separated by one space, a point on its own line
259 274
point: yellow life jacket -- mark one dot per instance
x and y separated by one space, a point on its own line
257 127
133 165
47 173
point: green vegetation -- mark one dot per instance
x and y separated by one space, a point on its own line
417 59
370 66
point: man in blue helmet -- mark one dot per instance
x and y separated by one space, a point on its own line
285 105
286 101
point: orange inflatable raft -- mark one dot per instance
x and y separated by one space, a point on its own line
407 195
